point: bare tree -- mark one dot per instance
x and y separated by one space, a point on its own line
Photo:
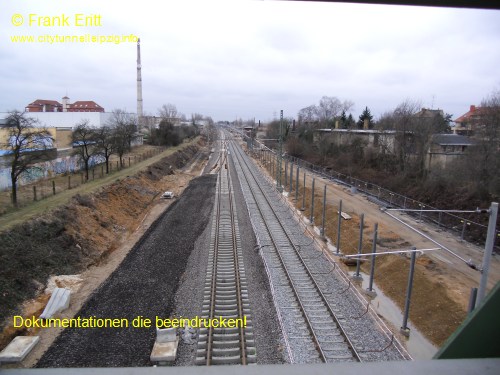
26 144
308 114
196 117
404 125
124 128
105 143
482 161
273 129
84 144
331 107
327 111
168 111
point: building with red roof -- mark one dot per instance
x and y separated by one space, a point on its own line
42 105
470 121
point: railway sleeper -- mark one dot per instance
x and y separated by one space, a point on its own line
226 337
232 360
225 284
336 348
226 331
226 344
340 357
226 313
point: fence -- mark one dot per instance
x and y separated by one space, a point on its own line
466 226
349 237
47 187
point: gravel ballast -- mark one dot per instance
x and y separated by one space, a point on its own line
188 301
366 331
143 285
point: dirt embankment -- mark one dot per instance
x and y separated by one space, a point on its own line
83 233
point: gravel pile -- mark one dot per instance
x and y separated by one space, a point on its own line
363 329
144 284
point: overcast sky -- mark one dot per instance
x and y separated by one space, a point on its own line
246 59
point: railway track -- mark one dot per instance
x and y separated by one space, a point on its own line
316 327
225 291
320 321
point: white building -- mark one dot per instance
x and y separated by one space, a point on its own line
67 119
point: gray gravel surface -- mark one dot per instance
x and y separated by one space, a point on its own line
144 284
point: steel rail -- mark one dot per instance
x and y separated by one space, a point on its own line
308 272
225 285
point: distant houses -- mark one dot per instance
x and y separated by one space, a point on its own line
442 148
42 105
61 117
465 124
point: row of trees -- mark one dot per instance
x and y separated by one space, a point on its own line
115 137
326 112
174 126
28 143
404 156
414 132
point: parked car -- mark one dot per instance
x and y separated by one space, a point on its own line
168 195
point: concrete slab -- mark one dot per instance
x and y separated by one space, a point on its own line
345 216
166 335
164 352
18 348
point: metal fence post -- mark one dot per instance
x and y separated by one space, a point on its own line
338 226
322 231
290 187
297 184
370 290
34 193
404 329
53 187
311 218
304 194
357 276
286 172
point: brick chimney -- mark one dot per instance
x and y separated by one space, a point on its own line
472 108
